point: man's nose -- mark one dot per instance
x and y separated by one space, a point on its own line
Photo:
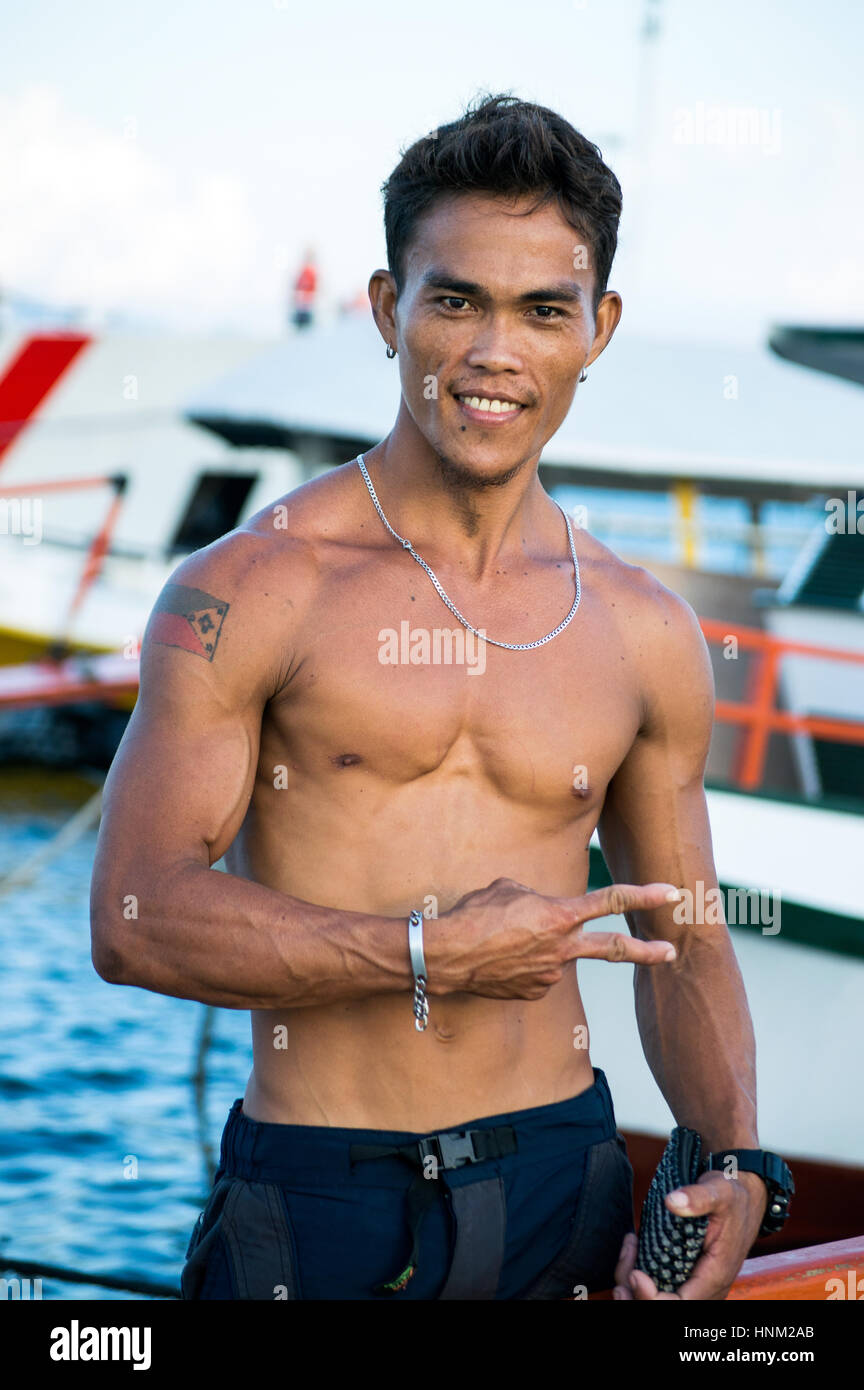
495 348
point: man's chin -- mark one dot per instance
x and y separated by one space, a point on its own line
470 471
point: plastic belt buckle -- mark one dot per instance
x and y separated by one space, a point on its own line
451 1150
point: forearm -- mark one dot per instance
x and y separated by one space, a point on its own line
697 1034
210 936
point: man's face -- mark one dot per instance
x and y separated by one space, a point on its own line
497 307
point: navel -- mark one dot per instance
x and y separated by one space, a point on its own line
346 759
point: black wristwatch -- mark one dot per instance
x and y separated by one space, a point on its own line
775 1174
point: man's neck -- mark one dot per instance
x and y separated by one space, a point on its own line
477 526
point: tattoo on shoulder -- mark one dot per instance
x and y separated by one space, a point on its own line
188 618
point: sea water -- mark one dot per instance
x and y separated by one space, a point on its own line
101 1168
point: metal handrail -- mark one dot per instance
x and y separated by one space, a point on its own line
759 713
96 553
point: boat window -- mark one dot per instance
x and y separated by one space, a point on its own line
836 577
213 509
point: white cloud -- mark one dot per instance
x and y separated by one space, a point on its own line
89 217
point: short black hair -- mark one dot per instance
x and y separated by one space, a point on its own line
502 145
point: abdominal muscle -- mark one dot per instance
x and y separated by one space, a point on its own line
361 1063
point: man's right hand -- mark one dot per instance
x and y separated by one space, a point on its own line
508 942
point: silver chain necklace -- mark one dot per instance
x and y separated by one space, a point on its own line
511 646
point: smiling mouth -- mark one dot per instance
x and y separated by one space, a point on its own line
489 409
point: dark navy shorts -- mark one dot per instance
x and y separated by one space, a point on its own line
292 1215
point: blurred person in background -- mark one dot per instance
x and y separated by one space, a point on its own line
305 291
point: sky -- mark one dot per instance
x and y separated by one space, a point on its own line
168 162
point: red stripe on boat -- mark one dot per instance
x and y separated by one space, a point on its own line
31 375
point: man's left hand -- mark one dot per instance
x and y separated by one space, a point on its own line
735 1208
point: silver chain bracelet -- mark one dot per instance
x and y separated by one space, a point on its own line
418 966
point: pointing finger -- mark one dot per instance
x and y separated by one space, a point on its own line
621 897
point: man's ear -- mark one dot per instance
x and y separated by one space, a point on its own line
606 320
382 297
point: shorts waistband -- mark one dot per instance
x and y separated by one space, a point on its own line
262 1151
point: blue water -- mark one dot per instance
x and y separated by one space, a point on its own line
93 1075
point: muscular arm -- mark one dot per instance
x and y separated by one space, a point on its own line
177 794
693 1017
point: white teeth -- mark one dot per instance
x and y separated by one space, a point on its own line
495 406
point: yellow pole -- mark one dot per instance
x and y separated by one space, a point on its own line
685 495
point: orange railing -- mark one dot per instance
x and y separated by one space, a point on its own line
815 1273
94 559
819 1272
759 713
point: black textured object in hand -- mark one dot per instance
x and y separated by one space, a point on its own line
670 1245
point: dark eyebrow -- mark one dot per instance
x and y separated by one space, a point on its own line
567 291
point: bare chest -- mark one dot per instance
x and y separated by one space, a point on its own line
390 686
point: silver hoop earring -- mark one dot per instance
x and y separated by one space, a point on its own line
391 351
584 375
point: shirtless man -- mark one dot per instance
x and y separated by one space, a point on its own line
347 790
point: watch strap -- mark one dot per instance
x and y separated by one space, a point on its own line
775 1173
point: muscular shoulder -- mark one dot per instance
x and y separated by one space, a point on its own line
663 636
675 666
315 519
237 602
636 597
